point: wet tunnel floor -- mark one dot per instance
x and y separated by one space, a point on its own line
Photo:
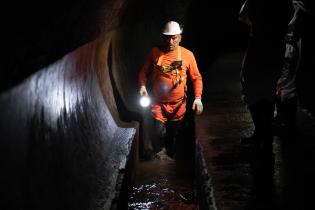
162 184
246 178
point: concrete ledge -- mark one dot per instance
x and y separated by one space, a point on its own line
205 196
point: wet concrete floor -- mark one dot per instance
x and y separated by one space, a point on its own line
159 186
164 183
247 178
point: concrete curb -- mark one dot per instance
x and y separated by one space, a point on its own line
205 190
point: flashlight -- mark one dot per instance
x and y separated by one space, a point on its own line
145 101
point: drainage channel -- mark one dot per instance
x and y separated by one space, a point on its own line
164 183
160 185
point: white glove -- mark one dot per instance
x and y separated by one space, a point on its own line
197 106
143 91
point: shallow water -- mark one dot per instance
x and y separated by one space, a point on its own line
163 184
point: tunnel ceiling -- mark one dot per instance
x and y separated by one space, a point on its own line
36 33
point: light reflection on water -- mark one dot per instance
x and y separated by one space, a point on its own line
162 184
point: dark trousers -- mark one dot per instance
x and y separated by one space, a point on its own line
166 136
262 114
285 120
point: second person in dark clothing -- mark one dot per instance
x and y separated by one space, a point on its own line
287 94
262 63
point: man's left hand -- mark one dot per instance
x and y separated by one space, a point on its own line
197 106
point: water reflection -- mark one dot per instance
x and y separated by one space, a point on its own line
162 184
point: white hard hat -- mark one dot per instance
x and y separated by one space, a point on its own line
172 28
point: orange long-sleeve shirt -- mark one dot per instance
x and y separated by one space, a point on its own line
165 84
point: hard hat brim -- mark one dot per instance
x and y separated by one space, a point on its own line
173 33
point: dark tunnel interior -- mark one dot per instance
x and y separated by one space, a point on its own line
70 125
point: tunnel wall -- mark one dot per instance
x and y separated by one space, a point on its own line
62 144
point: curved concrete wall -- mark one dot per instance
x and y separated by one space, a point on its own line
63 145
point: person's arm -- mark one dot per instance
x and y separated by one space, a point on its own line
144 72
246 13
196 79
300 12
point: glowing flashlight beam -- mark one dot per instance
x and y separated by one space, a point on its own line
145 101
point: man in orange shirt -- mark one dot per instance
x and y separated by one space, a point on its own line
170 65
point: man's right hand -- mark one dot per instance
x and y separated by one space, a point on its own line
143 91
